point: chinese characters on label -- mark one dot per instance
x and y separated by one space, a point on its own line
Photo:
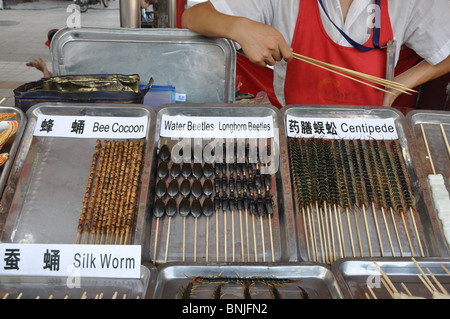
91 126
341 128
310 128
77 126
12 259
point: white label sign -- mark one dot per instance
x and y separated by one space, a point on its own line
91 126
341 128
108 261
216 127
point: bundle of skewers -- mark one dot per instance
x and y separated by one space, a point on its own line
384 85
433 287
229 197
109 205
353 198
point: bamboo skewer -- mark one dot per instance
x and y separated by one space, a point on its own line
2 100
445 268
262 239
445 139
428 150
167 239
156 240
347 72
207 239
241 229
443 290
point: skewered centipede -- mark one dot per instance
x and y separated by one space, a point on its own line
356 177
227 191
109 204
219 286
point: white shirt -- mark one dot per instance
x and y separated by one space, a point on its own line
421 25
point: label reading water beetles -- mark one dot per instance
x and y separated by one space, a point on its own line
216 127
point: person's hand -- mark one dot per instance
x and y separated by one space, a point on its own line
388 99
37 63
262 44
41 66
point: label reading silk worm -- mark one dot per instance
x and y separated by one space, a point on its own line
91 126
341 128
101 261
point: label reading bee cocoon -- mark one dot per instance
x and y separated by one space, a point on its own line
91 126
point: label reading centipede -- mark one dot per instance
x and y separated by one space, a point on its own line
341 128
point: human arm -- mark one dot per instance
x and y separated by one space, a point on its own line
41 66
145 4
262 43
417 75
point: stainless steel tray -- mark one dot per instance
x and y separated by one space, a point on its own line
200 67
51 173
369 234
11 146
281 224
357 277
13 287
434 123
316 280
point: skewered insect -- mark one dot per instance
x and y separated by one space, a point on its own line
303 293
247 291
218 292
187 292
274 292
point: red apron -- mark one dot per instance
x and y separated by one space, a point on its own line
308 84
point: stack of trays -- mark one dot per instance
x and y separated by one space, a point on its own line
236 202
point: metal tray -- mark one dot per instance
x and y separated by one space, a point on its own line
281 224
51 174
24 287
431 122
200 67
11 146
356 277
317 281
420 242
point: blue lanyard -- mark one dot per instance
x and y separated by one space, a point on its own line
376 30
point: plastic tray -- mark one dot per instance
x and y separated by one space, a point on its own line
367 235
24 287
316 281
357 277
11 145
200 67
434 124
51 173
275 239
